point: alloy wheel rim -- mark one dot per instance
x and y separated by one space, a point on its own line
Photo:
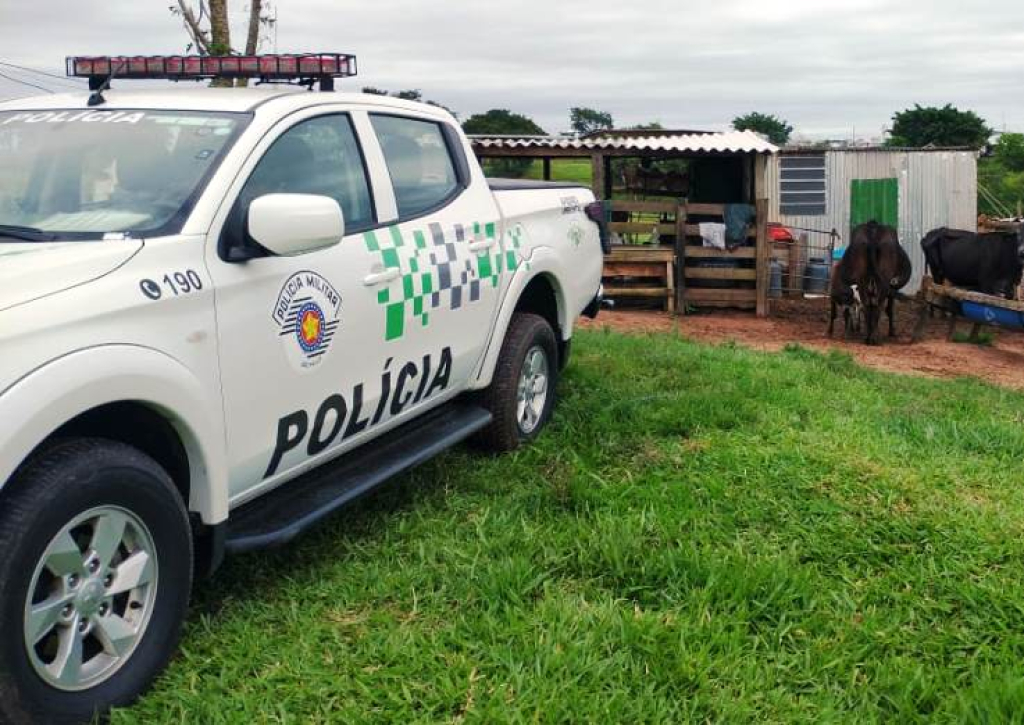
532 392
91 598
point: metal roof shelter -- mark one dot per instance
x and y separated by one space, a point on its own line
723 171
601 147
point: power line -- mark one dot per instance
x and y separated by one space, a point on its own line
25 83
65 79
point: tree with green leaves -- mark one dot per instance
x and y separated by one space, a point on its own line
589 120
776 129
933 126
1001 177
1009 151
652 126
502 122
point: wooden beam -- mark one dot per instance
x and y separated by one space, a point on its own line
693 230
763 260
634 269
703 294
597 172
760 177
705 209
745 273
641 227
547 168
640 253
680 259
711 252
645 207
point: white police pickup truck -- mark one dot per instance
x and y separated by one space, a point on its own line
223 314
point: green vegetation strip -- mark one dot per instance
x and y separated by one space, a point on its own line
702 534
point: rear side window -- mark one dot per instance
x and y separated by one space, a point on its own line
318 156
419 161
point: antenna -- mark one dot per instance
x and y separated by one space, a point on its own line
97 86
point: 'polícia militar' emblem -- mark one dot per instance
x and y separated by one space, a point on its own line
306 315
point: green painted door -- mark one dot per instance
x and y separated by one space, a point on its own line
874 199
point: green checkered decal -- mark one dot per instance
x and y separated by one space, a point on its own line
434 273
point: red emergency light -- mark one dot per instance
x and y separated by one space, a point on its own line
322 67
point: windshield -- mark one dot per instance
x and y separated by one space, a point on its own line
85 174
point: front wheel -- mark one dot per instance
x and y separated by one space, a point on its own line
522 393
94 581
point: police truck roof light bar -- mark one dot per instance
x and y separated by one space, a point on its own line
308 67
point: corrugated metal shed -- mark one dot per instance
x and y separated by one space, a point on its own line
729 142
936 188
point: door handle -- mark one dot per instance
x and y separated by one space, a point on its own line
481 245
376 278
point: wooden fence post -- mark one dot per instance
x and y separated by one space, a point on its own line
763 258
681 259
597 170
763 253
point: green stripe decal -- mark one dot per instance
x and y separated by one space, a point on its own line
395 321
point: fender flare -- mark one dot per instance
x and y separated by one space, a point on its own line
543 262
54 393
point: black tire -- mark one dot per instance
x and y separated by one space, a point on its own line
58 485
525 332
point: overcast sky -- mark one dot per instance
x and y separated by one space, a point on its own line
827 66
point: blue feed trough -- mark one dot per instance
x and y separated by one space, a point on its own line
992 315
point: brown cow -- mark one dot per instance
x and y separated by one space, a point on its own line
878 267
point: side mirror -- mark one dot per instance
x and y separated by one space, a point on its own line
292 224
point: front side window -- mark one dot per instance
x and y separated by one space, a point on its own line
84 174
419 162
319 156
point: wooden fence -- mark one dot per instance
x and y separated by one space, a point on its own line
680 271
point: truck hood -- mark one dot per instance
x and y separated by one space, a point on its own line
33 270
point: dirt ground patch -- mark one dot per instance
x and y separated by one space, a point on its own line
805 322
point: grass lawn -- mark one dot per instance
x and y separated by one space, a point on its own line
702 534
575 170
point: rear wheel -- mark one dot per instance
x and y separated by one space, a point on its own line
94 581
522 394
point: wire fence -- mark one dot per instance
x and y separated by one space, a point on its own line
801 263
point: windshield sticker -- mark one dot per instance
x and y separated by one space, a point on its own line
306 314
75 117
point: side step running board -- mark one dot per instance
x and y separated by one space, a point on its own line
279 516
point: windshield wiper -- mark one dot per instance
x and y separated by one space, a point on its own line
27 234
